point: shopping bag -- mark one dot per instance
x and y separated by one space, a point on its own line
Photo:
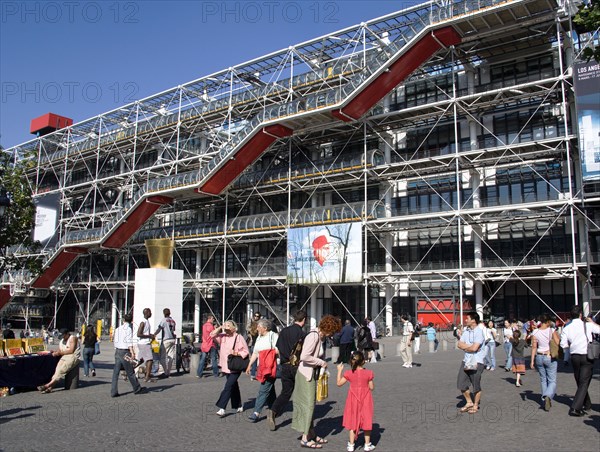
323 386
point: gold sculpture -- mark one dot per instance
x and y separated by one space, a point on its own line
160 252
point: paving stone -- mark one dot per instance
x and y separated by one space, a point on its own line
415 409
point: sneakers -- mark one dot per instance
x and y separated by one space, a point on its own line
93 373
253 417
271 420
517 384
142 390
368 447
221 412
405 365
240 410
350 447
547 403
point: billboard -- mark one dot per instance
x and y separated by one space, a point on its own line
325 254
587 99
46 219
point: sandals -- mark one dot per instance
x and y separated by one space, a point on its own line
311 444
319 440
466 408
474 409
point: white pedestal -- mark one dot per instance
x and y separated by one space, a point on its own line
158 288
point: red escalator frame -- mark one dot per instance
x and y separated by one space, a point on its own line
58 265
414 57
244 158
135 220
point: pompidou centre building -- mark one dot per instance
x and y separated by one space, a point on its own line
439 159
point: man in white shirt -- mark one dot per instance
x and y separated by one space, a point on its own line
167 344
124 351
145 338
575 338
406 341
373 330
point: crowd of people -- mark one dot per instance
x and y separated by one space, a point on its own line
297 359
477 341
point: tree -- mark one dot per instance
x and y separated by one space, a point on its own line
16 225
587 20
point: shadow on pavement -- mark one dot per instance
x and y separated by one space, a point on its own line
4 414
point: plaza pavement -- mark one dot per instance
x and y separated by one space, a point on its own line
415 409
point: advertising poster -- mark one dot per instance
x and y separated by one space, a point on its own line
325 254
587 92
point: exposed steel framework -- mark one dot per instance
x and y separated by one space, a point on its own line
198 161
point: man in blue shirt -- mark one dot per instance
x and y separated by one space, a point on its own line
471 368
346 343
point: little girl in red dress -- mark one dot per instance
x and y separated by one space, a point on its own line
358 413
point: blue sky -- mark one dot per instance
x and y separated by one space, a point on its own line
80 59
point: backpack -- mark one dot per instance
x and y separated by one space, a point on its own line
297 351
364 338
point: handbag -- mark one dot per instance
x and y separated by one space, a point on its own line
97 348
236 363
593 347
555 350
471 362
323 386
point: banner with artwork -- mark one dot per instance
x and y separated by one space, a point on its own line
325 254
587 99
47 208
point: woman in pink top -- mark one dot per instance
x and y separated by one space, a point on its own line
311 362
231 343
544 363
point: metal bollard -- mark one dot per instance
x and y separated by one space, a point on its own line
194 362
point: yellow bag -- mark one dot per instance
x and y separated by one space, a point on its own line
155 346
323 386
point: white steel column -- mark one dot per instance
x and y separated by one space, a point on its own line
568 161
114 309
388 144
313 309
114 296
197 298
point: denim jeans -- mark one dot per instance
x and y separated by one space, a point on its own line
120 363
491 354
508 351
254 366
547 367
266 395
88 356
213 360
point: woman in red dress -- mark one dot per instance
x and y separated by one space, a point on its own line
358 413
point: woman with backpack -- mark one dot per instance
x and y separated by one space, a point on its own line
311 364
